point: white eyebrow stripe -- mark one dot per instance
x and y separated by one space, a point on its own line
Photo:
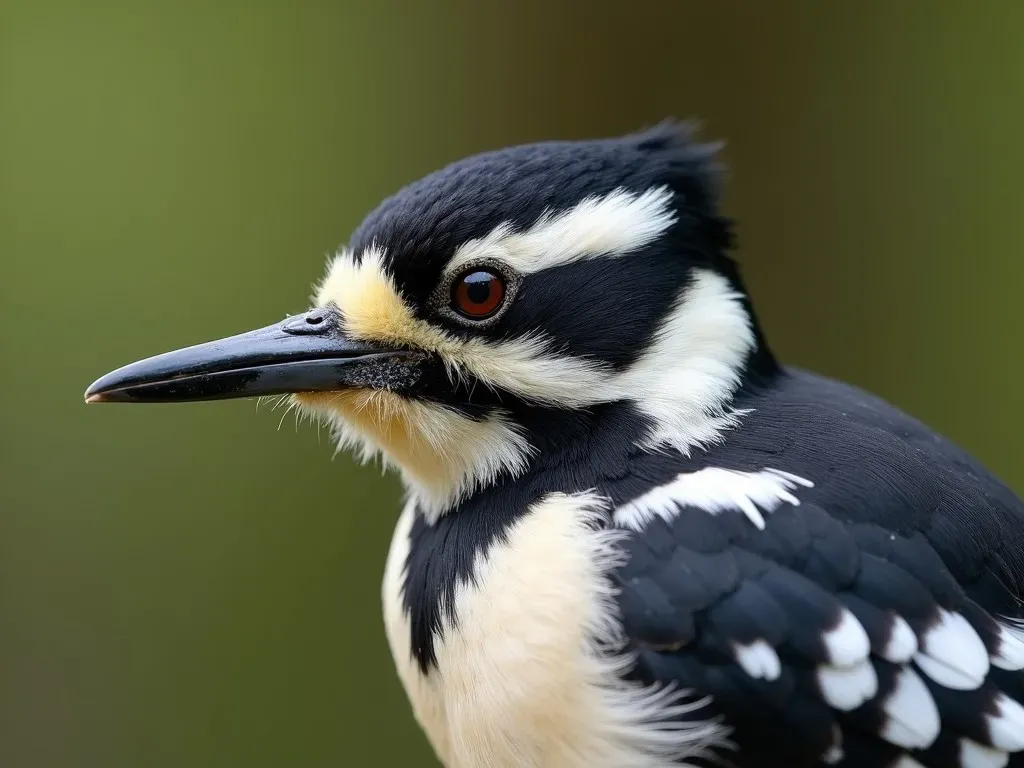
610 225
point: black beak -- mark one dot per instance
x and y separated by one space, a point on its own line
305 353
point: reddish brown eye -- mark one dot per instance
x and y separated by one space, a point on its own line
478 294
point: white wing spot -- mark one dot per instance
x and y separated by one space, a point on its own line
714 489
759 660
1010 655
912 717
1006 727
906 761
902 643
975 755
835 752
847 643
846 688
952 654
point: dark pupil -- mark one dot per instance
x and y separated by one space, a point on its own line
478 287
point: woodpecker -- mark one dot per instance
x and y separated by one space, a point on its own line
632 538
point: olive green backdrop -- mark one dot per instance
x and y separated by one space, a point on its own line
193 586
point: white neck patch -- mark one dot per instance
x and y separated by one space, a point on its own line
714 489
685 380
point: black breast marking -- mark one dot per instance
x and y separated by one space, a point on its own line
577 451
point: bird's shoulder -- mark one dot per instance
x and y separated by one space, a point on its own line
833 575
865 464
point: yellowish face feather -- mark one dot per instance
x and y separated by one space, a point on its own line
393 424
442 454
371 307
372 310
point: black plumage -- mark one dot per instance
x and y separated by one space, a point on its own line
841 582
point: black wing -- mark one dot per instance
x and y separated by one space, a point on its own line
869 625
821 640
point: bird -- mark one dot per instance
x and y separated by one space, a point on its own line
631 536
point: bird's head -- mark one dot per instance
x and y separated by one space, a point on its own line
500 294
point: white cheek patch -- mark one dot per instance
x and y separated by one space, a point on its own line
685 379
714 489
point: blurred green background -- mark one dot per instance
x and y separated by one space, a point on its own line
189 585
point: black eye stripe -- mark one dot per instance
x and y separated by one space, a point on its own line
602 309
